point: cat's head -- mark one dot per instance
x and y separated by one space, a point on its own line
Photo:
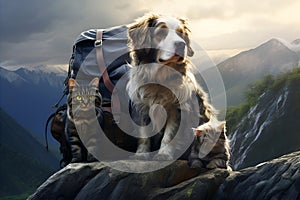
84 94
210 126
73 84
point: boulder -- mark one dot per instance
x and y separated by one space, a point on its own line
275 179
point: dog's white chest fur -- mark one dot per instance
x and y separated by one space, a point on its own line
149 86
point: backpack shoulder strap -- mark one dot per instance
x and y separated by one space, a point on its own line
100 60
106 80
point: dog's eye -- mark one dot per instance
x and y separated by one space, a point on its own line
180 33
161 33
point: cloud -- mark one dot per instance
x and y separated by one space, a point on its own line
43 32
227 9
246 39
210 11
18 21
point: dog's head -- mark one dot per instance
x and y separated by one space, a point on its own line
160 39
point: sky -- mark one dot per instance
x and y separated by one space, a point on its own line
35 32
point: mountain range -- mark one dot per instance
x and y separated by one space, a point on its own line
27 94
273 57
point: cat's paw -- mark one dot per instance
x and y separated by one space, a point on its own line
229 168
196 163
91 158
76 160
217 163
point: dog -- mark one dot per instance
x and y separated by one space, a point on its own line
161 81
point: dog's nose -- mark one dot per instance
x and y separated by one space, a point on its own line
180 48
180 45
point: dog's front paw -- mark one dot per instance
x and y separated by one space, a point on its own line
163 156
140 156
196 163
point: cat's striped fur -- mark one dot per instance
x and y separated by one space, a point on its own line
82 100
210 148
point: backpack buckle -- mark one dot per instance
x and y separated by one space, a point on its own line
98 43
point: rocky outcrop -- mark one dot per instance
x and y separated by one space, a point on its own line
276 179
271 128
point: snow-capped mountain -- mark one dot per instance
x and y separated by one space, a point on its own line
11 76
57 69
273 57
27 94
34 75
294 46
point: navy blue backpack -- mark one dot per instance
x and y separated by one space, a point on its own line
102 53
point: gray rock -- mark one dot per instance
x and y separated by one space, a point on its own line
66 183
276 179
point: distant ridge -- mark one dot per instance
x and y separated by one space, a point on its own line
272 57
28 94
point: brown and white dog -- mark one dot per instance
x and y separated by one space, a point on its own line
161 81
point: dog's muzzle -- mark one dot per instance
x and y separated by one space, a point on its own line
180 50
176 54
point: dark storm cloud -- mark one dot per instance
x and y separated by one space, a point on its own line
20 19
35 31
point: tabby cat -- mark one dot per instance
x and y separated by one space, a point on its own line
210 148
82 101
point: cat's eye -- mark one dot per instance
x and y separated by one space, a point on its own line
78 98
92 98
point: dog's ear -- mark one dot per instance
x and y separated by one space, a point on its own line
139 34
190 51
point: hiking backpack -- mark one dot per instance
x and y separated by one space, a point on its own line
100 53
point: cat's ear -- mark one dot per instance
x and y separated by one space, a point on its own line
197 131
94 82
72 83
222 125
